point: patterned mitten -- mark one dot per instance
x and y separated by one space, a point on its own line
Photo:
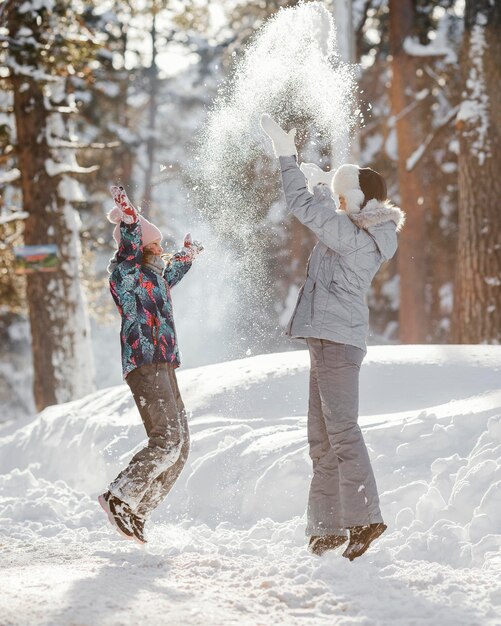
124 210
193 248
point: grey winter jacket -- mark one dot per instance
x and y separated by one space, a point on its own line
352 247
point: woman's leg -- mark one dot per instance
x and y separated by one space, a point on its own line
324 503
156 402
161 486
338 368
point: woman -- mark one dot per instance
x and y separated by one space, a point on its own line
332 315
140 283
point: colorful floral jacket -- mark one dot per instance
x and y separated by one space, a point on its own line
143 299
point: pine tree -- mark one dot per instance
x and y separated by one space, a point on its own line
47 44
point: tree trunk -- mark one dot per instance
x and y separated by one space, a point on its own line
152 112
477 296
441 257
62 359
412 250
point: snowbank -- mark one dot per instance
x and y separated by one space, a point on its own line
432 420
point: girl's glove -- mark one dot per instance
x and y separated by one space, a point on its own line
193 248
283 143
124 210
316 176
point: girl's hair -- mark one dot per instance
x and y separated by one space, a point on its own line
165 256
147 254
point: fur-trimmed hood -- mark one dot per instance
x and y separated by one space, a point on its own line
382 221
376 212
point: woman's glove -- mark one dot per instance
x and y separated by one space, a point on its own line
124 210
316 176
193 248
283 143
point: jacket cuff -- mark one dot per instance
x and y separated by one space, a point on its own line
287 161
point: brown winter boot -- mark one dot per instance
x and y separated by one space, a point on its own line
361 538
319 545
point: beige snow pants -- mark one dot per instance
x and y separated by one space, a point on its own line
152 472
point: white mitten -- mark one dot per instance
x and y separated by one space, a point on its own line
283 143
316 176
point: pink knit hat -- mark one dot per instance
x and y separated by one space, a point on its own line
149 231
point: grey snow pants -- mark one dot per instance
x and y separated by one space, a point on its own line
152 471
343 490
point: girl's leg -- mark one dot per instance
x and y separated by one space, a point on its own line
161 486
324 503
338 368
156 402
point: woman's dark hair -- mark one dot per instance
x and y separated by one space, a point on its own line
372 185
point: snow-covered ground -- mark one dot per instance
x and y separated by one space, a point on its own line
228 547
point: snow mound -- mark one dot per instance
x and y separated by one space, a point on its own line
431 416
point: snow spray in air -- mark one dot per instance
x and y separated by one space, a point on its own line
292 71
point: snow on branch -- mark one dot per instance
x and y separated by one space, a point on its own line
438 47
10 176
70 190
12 217
29 71
36 6
69 110
434 49
55 169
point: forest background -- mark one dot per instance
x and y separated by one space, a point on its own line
120 92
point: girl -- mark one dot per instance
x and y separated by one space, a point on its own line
332 315
140 283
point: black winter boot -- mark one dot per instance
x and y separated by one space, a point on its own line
361 538
118 513
319 545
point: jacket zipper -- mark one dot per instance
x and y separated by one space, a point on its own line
156 328
312 307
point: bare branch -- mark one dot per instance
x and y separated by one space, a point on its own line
418 154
